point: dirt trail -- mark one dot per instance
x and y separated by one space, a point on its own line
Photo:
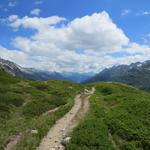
65 125
16 138
50 111
13 141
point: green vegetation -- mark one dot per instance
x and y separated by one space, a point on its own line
119 118
23 103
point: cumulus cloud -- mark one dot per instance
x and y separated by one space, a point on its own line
84 44
95 32
137 48
33 22
13 55
35 12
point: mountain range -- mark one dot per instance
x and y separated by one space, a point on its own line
28 73
135 74
35 74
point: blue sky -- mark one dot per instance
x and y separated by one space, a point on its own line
135 26
131 16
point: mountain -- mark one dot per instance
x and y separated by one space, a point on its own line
77 77
35 74
135 74
29 73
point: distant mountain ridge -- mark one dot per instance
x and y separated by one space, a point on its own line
135 74
29 73
35 74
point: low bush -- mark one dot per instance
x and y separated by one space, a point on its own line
10 98
41 86
36 108
39 106
4 111
4 88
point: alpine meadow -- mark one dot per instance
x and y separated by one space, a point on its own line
74 75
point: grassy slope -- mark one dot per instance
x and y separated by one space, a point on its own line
119 118
22 104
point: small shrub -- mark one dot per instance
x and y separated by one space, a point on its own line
37 107
11 99
57 101
40 85
4 110
3 88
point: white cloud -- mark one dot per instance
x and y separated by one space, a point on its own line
34 23
137 48
13 18
95 32
126 12
84 44
13 55
146 13
143 13
35 12
12 3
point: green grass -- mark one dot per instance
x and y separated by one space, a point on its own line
42 125
119 118
22 104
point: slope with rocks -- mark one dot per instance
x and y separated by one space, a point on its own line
136 74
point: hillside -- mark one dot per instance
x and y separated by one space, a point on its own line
118 117
25 106
136 74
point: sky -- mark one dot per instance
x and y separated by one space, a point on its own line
74 35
